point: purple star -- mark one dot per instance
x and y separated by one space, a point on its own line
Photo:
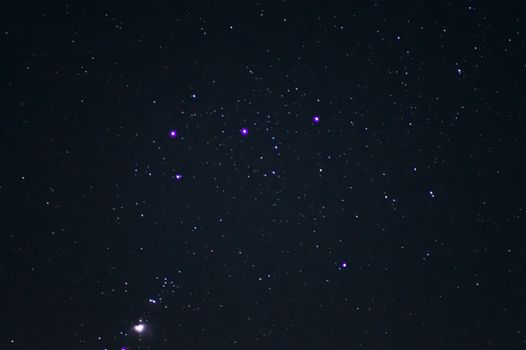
173 134
344 265
244 131
315 119
178 177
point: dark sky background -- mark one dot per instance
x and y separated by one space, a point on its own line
394 221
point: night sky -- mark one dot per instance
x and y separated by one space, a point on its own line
262 175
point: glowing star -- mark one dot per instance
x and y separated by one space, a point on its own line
244 131
173 134
139 328
315 119
344 265
178 177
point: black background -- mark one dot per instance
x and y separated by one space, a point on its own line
413 177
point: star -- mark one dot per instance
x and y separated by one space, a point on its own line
173 134
315 119
178 177
244 131
139 328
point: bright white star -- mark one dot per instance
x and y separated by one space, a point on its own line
139 328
